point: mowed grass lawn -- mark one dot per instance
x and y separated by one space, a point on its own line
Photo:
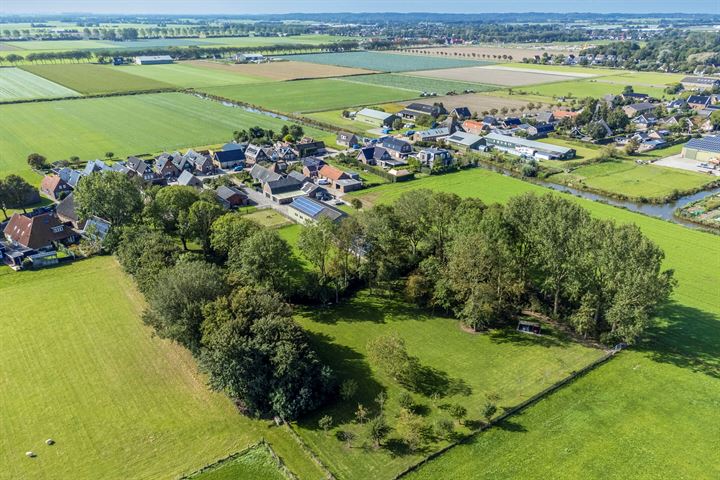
79 367
625 177
419 84
310 95
17 84
385 62
90 78
186 76
650 413
256 464
125 125
587 88
467 370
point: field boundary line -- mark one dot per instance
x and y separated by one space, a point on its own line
512 411
309 451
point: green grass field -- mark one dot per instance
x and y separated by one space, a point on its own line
89 78
566 68
186 76
126 125
385 62
419 84
268 218
587 88
467 370
334 117
651 413
256 464
17 84
311 95
628 178
645 78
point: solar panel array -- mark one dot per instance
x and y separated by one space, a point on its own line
308 206
706 143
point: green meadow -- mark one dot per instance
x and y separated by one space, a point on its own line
586 88
126 125
257 464
17 84
186 76
310 95
92 79
651 413
419 84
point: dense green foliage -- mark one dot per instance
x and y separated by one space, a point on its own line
112 196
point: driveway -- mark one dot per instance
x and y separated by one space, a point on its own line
677 161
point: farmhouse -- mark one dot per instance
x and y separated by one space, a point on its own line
54 187
465 141
474 127
248 58
700 83
702 149
307 147
347 139
232 155
461 113
415 110
523 147
374 155
431 135
311 166
153 59
376 117
307 210
638 108
38 232
699 102
398 149
284 189
339 180
256 154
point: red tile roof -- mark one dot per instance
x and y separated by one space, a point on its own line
333 173
36 232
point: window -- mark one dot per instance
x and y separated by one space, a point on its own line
57 229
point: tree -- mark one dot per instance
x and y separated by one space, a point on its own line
229 230
109 155
315 242
405 400
361 413
397 124
378 430
410 429
326 423
200 218
356 203
15 192
112 196
255 352
144 252
628 90
631 147
444 428
176 301
348 389
168 207
458 412
36 161
389 353
263 258
489 410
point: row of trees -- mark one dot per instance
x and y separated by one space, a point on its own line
288 133
227 305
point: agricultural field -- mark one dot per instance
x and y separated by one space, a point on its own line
93 79
126 125
119 402
186 75
419 84
586 88
656 432
567 69
280 71
17 84
625 177
483 102
257 464
466 370
310 95
384 62
495 76
335 117
652 79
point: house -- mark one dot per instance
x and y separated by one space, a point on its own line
636 109
248 58
374 155
38 232
376 117
69 176
230 197
635 97
474 127
347 139
511 122
528 148
466 141
311 166
165 167
398 149
431 135
307 147
65 211
315 191
461 113
401 175
141 169
153 59
545 117
189 180
700 83
284 189
699 102
263 175
415 110
560 114
95 166
54 187
307 210
643 122
702 149
339 180
201 164
677 104
226 159
435 157
256 154
539 130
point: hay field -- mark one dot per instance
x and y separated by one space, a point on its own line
187 75
384 62
495 76
478 102
17 84
91 79
419 84
280 71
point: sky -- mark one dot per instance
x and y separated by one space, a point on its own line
313 6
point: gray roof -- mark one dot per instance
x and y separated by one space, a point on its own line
315 209
521 142
227 192
376 114
264 175
465 139
708 144
187 178
709 81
